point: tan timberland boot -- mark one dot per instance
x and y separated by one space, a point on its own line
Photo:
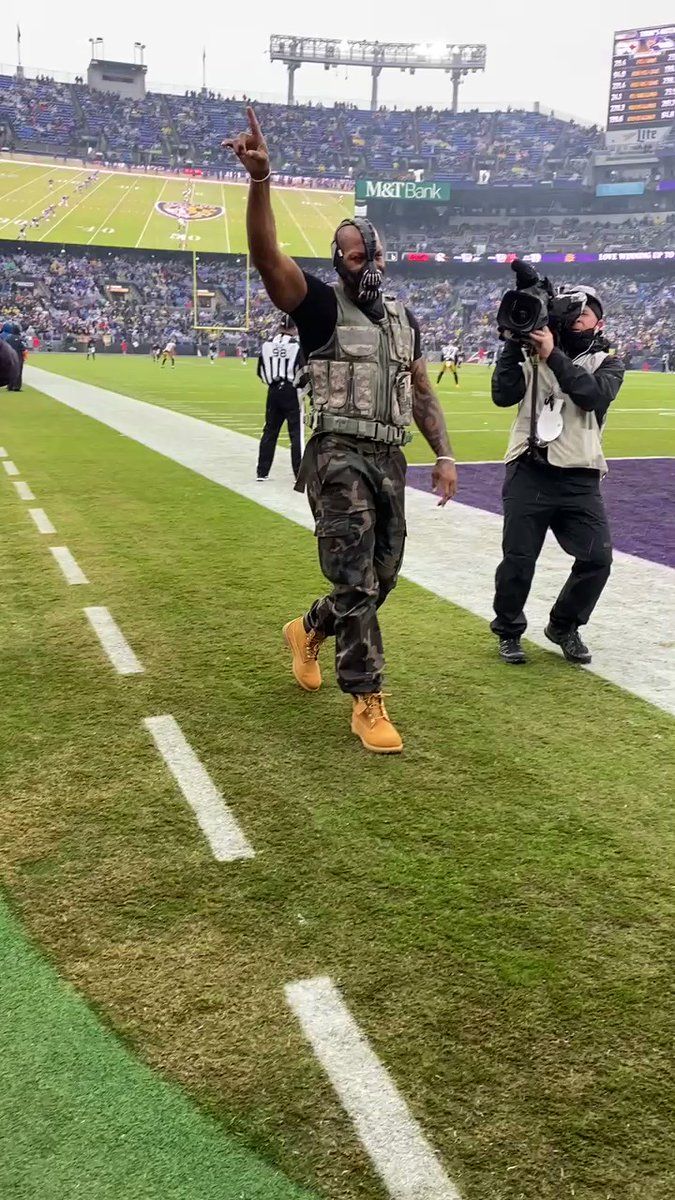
305 650
370 722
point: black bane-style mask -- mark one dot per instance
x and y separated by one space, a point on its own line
366 282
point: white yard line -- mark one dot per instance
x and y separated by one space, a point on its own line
319 211
452 552
10 467
113 642
68 211
71 571
28 183
33 208
23 491
104 222
280 196
3 452
42 522
395 1144
157 199
214 818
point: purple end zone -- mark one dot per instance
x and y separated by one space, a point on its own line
639 494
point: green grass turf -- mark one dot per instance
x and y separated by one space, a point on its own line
640 422
496 904
119 210
94 1121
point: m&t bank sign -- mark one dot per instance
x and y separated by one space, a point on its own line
401 189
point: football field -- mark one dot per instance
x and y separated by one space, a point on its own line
142 211
243 960
642 421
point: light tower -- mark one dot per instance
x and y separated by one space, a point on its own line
455 59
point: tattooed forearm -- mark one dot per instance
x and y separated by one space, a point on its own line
428 413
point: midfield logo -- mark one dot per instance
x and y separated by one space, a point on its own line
188 212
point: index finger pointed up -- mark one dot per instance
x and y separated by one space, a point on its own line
253 122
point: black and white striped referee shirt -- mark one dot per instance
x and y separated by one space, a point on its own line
278 360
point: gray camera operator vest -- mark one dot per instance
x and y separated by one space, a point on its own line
579 443
361 381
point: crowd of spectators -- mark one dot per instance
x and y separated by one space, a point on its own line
149 298
128 129
453 235
144 299
40 112
326 141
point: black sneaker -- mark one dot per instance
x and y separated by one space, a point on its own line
570 643
511 651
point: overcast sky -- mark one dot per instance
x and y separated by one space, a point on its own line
557 54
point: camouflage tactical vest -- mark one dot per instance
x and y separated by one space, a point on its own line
361 379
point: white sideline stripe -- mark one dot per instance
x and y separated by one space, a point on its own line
484 462
452 552
397 1148
138 176
10 467
23 491
113 641
215 819
73 573
42 522
3 452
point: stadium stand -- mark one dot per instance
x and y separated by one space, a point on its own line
453 235
39 114
327 142
69 294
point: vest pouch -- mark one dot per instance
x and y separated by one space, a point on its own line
318 374
339 387
402 400
364 377
401 337
356 343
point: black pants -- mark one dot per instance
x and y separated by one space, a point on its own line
282 405
537 498
18 382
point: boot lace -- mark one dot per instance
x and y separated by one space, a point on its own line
375 707
313 643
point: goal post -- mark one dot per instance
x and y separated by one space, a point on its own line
200 293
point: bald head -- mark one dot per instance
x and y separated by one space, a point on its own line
348 239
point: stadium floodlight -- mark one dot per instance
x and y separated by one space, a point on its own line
457 60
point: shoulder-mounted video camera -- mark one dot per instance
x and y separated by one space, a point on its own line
532 304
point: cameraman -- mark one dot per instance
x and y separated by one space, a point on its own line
553 479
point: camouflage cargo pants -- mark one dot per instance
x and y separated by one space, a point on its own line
356 490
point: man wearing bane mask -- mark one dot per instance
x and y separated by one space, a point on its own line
369 382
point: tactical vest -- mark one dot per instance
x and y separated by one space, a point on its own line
361 382
580 442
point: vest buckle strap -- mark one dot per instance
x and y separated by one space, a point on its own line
374 431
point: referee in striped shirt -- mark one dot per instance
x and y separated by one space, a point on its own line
280 359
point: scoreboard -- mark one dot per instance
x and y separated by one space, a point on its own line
642 88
